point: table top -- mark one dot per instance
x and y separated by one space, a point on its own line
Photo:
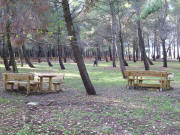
47 75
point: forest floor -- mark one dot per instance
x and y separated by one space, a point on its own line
114 110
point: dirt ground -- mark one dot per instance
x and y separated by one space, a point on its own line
115 111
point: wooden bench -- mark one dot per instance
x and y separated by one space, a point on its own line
59 83
20 79
137 79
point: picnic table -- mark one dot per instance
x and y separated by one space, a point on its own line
28 79
137 79
49 77
19 79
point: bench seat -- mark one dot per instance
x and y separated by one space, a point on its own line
56 84
20 79
149 85
60 79
141 78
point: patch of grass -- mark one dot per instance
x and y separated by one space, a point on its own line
101 76
26 130
4 100
107 130
126 108
157 116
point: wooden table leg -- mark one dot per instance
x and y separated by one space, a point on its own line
12 86
41 83
50 83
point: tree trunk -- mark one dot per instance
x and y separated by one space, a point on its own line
21 56
11 53
60 50
27 59
129 55
169 49
122 48
44 50
149 60
110 53
114 34
178 56
141 43
4 56
121 41
178 39
98 52
105 54
149 52
65 54
114 38
163 30
137 52
114 55
164 53
134 50
174 51
155 46
74 43
39 54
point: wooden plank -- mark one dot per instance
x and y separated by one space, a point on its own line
41 83
60 78
137 78
147 73
150 85
50 83
19 76
19 79
5 81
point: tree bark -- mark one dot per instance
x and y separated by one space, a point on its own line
73 41
155 46
4 56
60 50
21 56
114 55
164 53
134 50
110 53
98 52
122 47
44 50
149 52
113 34
174 51
163 31
178 56
26 57
137 52
141 42
149 60
121 41
178 39
129 55
11 53
169 49
114 38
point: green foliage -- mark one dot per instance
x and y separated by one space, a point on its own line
26 131
4 101
151 7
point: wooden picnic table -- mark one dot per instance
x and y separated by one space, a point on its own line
137 78
49 76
